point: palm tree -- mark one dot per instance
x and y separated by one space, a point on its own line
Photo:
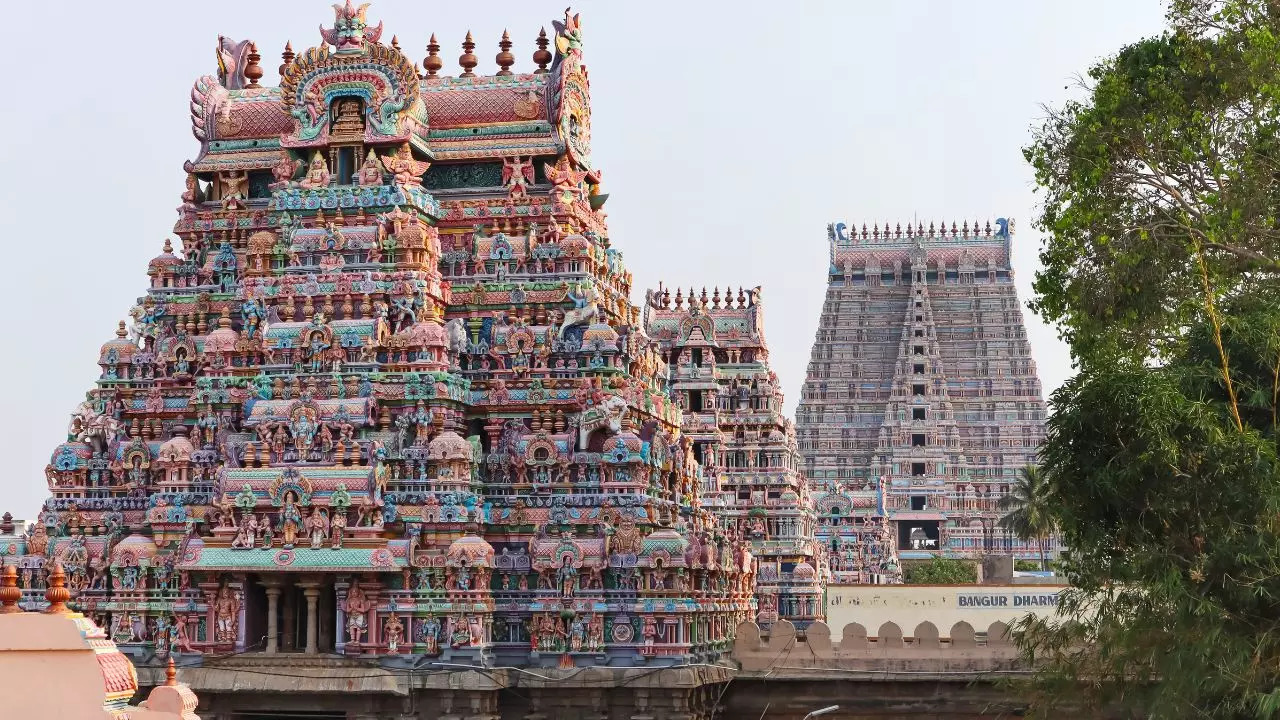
1028 509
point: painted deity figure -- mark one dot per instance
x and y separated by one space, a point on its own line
649 633
393 631
356 606
404 167
316 350
371 171
251 315
226 612
234 187
317 174
517 175
337 526
317 528
430 634
290 521
284 170
567 576
304 433
584 308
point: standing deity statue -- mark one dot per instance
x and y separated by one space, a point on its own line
356 606
429 630
338 525
226 611
290 521
317 527
517 175
393 631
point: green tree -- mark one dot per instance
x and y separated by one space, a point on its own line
1029 509
941 571
1161 198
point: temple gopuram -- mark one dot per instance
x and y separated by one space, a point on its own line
731 402
921 404
390 407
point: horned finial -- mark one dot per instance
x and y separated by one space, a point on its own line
468 59
57 593
542 55
287 56
253 71
432 62
504 57
10 593
350 29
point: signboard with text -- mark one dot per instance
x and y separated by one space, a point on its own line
942 605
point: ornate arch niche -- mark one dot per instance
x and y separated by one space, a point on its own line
349 101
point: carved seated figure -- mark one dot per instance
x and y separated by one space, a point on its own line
317 174
371 171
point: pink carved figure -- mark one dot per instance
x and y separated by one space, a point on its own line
407 171
370 172
317 174
517 175
284 170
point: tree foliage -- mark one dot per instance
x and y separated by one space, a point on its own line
1163 273
1029 509
941 571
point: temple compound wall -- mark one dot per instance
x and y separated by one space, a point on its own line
921 403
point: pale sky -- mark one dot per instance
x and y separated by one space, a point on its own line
729 133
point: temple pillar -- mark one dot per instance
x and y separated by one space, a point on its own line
312 594
273 625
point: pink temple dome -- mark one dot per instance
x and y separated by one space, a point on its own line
132 549
124 350
449 445
177 448
428 333
475 550
165 259
224 338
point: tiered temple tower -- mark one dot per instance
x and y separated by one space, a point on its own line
391 400
731 400
921 402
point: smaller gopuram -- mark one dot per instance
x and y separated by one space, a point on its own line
731 404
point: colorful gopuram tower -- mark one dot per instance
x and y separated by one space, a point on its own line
921 403
731 402
390 401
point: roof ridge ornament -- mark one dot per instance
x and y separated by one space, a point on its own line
350 32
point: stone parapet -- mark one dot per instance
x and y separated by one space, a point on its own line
886 653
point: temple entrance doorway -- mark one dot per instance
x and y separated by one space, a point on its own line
283 615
